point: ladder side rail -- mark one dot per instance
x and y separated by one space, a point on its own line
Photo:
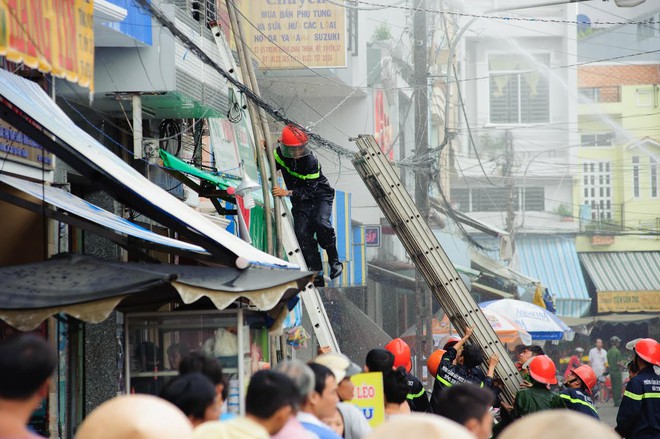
445 283
386 166
311 297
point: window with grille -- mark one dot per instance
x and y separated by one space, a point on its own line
635 173
597 139
654 177
597 189
646 29
495 199
203 11
519 89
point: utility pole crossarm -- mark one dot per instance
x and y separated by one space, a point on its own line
431 261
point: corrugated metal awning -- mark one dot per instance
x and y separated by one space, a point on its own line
623 271
29 109
90 289
87 212
554 261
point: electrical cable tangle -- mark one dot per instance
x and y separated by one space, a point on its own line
495 17
320 141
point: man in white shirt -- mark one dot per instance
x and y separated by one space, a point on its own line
598 360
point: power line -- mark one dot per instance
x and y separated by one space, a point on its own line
495 17
275 113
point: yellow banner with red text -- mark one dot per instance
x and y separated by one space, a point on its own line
295 34
52 36
629 301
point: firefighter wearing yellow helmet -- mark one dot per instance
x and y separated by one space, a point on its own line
311 198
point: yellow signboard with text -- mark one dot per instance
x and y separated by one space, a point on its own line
369 396
628 301
295 34
53 36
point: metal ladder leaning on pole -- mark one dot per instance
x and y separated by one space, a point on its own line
430 259
311 298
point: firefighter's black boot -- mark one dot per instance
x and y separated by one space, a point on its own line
319 282
336 266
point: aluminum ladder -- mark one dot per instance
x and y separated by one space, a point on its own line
382 180
311 297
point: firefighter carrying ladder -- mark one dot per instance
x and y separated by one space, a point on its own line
311 298
430 259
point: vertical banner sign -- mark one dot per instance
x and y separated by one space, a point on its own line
295 34
369 396
382 127
52 36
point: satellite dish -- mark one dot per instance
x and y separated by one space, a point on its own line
583 23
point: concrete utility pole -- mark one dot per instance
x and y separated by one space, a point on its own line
510 186
422 177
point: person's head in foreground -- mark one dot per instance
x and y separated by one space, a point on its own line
418 426
343 369
323 400
26 363
395 388
135 417
469 405
379 360
553 424
335 422
194 394
272 398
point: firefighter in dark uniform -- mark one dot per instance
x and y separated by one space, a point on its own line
578 392
416 397
311 199
460 366
639 412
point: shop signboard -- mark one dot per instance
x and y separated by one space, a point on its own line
372 235
231 144
369 396
296 34
18 147
52 36
629 301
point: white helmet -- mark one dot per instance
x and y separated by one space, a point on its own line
136 417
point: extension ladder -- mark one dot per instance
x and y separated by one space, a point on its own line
383 182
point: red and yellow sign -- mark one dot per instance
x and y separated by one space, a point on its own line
295 34
628 301
369 396
53 36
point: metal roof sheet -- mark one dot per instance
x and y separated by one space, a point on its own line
623 271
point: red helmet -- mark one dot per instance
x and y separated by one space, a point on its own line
587 375
543 369
648 350
451 342
293 136
433 361
401 352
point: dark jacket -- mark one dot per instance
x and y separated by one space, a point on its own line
535 399
639 412
449 374
303 176
576 399
417 399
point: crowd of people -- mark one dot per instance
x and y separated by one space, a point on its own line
312 400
